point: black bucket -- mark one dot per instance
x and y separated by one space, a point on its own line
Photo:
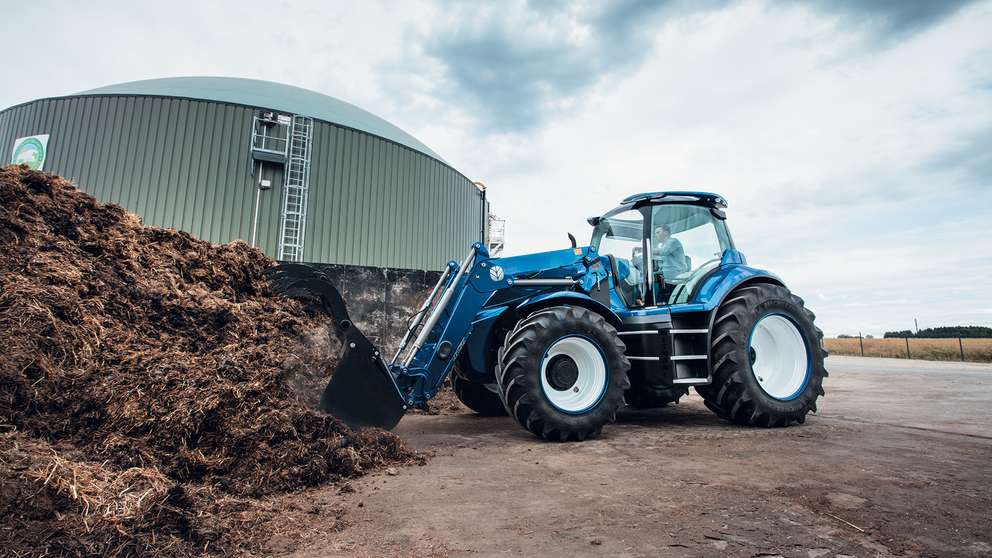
361 392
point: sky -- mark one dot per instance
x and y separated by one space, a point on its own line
852 138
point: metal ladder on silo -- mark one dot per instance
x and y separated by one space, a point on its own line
294 207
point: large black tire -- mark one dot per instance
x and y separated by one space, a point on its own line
477 396
653 397
735 393
519 373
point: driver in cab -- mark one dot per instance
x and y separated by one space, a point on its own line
669 257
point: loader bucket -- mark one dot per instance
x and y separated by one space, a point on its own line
361 392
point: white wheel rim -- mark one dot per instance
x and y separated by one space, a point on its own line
780 361
590 381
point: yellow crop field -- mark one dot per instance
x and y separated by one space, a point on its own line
975 350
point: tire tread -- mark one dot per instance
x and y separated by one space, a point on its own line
730 394
524 346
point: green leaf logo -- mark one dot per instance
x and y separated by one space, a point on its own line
29 152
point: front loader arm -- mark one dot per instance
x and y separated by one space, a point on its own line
364 389
427 361
475 287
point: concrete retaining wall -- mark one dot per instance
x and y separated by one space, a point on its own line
381 301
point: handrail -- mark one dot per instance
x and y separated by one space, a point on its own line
442 303
419 316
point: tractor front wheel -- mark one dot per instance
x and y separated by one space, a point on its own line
767 358
562 373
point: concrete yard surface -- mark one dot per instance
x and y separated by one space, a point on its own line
896 463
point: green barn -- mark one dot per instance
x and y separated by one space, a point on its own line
303 176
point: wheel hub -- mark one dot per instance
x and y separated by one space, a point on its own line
574 376
562 372
779 357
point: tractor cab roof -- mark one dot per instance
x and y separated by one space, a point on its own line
694 198
705 199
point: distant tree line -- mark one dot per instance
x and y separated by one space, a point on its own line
944 332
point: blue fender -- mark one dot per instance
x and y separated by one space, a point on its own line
475 354
569 298
477 351
722 281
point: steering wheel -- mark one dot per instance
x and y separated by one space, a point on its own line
706 263
690 281
656 263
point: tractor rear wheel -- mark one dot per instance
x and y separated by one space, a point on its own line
767 358
562 373
477 396
651 397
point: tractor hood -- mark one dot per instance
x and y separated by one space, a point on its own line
545 265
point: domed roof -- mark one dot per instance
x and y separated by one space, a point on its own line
270 95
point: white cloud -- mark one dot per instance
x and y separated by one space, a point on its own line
856 167
820 145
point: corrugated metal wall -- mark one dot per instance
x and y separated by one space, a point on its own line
186 164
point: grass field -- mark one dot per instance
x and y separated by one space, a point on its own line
975 350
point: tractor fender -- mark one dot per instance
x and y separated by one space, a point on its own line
568 298
715 287
477 358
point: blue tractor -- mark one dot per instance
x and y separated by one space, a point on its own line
659 301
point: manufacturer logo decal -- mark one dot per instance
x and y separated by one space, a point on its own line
30 151
496 273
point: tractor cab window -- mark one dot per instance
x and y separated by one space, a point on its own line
620 237
687 242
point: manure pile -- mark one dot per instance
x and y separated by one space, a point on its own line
155 398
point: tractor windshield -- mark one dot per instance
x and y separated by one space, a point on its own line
687 241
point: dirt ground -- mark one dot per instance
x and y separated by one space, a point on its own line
897 462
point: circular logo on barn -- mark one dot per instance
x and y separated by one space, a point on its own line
496 273
29 152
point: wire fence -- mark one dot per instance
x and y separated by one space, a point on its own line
955 348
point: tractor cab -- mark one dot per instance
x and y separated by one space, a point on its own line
661 244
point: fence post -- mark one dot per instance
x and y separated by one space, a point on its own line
961 346
909 355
